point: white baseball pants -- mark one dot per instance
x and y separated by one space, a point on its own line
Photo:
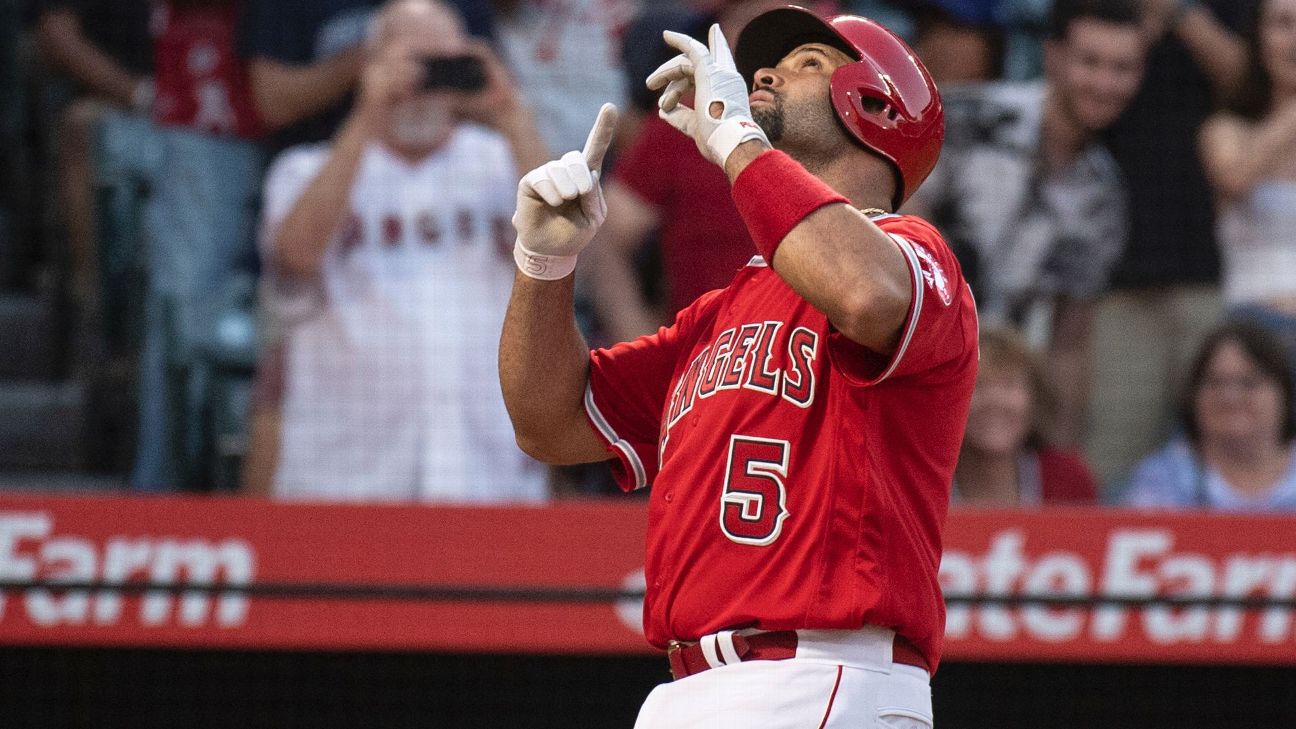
838 679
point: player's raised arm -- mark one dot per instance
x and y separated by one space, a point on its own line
803 208
544 360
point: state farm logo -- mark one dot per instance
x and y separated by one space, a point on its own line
30 550
1139 563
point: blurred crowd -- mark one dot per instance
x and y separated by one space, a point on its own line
279 232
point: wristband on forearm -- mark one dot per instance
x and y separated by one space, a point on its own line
775 193
541 266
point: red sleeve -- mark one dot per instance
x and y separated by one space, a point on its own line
628 387
941 325
1065 478
640 167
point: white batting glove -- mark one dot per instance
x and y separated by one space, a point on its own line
712 72
560 205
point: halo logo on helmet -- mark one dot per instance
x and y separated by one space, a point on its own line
886 99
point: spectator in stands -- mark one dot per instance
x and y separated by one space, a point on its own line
967 40
1008 458
566 57
305 57
199 223
389 262
1037 244
1165 288
662 185
1249 151
1238 451
960 41
104 47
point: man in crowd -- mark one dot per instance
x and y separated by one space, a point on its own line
800 427
1164 296
387 255
1039 243
198 234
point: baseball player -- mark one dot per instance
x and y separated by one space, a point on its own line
799 427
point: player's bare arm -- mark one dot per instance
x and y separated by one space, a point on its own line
544 360
845 266
834 257
307 231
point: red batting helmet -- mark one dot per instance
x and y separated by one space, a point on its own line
886 99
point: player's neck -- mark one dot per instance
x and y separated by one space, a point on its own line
863 178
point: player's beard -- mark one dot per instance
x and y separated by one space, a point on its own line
770 117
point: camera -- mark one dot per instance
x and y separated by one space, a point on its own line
454 73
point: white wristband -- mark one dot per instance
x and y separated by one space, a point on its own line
538 265
732 132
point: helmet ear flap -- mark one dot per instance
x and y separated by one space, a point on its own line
859 96
872 111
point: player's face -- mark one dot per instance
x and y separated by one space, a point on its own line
1236 401
1278 43
999 419
1095 70
791 100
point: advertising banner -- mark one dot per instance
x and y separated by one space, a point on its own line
549 579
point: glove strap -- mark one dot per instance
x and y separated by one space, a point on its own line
773 194
540 266
726 137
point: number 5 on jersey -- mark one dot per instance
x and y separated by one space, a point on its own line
753 504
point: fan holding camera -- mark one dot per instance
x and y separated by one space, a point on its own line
389 260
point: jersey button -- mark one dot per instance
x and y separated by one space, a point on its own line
669 495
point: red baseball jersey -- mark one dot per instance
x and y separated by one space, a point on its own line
799 479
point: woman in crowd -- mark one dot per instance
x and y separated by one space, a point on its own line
1238 451
1007 459
1249 153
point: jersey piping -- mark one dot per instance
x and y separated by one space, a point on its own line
916 269
604 428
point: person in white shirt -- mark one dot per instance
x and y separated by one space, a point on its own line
388 259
